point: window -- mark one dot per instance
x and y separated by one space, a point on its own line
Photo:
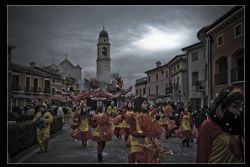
15 82
148 90
195 56
104 51
27 84
35 84
140 92
177 80
166 74
178 66
148 78
174 69
194 78
136 92
220 40
223 69
157 77
47 86
156 87
238 30
144 91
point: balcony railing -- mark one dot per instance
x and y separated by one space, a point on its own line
15 88
237 74
220 79
47 90
36 90
200 85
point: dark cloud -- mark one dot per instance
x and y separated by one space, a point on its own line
46 33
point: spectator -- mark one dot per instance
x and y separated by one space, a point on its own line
220 138
60 113
43 119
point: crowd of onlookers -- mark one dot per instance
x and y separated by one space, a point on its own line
55 109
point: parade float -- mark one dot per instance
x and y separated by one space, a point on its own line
93 90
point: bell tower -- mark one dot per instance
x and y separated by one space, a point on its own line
103 58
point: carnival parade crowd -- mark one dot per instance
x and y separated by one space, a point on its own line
217 130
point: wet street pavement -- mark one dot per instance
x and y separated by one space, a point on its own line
63 149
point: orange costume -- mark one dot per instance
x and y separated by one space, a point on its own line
102 132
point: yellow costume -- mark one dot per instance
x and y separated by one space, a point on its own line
185 124
163 120
137 141
84 125
112 111
43 134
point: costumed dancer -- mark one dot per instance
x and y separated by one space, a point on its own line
164 120
102 130
84 126
75 117
221 135
186 126
42 120
126 124
145 132
137 139
117 124
112 110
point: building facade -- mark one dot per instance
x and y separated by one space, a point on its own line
140 86
32 83
178 78
224 40
197 74
103 74
67 69
169 80
157 80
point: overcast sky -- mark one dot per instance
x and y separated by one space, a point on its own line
139 35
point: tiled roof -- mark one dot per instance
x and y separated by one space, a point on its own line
32 71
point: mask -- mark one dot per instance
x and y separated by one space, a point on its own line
144 107
233 124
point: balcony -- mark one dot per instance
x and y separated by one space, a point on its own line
15 88
200 86
220 79
169 90
47 91
237 74
28 90
36 90
176 88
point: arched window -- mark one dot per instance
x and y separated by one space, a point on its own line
104 51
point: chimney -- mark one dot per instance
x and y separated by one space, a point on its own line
32 64
158 64
10 48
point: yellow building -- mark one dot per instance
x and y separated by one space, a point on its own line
27 84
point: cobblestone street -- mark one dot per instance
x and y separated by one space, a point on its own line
63 149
